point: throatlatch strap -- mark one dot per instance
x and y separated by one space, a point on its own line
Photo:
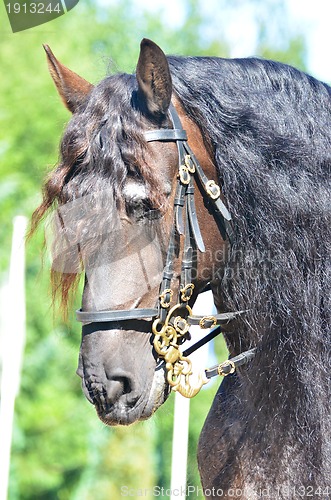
230 365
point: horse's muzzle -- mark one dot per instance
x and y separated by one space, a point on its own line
115 399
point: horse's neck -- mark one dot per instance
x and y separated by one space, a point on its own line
269 430
263 434
269 427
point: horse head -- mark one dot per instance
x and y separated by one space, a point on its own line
131 160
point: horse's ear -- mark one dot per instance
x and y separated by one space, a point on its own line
72 88
154 79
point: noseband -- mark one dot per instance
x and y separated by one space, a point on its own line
171 324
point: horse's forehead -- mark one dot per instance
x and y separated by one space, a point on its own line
116 90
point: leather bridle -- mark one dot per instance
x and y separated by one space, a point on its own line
171 324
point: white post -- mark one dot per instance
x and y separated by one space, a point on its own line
12 346
204 305
179 447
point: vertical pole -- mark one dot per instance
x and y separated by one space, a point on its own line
179 447
13 339
203 305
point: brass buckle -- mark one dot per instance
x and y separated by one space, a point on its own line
205 319
189 164
213 190
224 365
184 174
164 302
181 325
186 292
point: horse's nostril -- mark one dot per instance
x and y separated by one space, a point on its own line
115 388
118 386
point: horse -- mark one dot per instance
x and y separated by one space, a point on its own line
199 172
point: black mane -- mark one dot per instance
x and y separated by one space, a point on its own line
269 127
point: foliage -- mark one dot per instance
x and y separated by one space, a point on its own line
60 449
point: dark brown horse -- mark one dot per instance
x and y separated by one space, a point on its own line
201 172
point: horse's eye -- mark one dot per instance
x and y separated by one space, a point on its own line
141 210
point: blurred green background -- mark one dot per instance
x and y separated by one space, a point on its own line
60 449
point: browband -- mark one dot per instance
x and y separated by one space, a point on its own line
172 134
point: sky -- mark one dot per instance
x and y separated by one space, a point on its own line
315 17
311 18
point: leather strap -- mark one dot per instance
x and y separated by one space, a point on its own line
187 257
202 342
112 316
167 134
179 207
214 319
126 314
192 215
229 366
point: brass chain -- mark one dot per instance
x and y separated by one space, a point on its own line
167 340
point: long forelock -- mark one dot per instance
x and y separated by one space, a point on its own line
103 140
102 143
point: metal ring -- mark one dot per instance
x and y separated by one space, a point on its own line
213 190
225 364
163 299
203 321
178 306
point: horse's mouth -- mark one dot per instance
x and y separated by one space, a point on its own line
126 412
121 415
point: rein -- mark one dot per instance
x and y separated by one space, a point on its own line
171 324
